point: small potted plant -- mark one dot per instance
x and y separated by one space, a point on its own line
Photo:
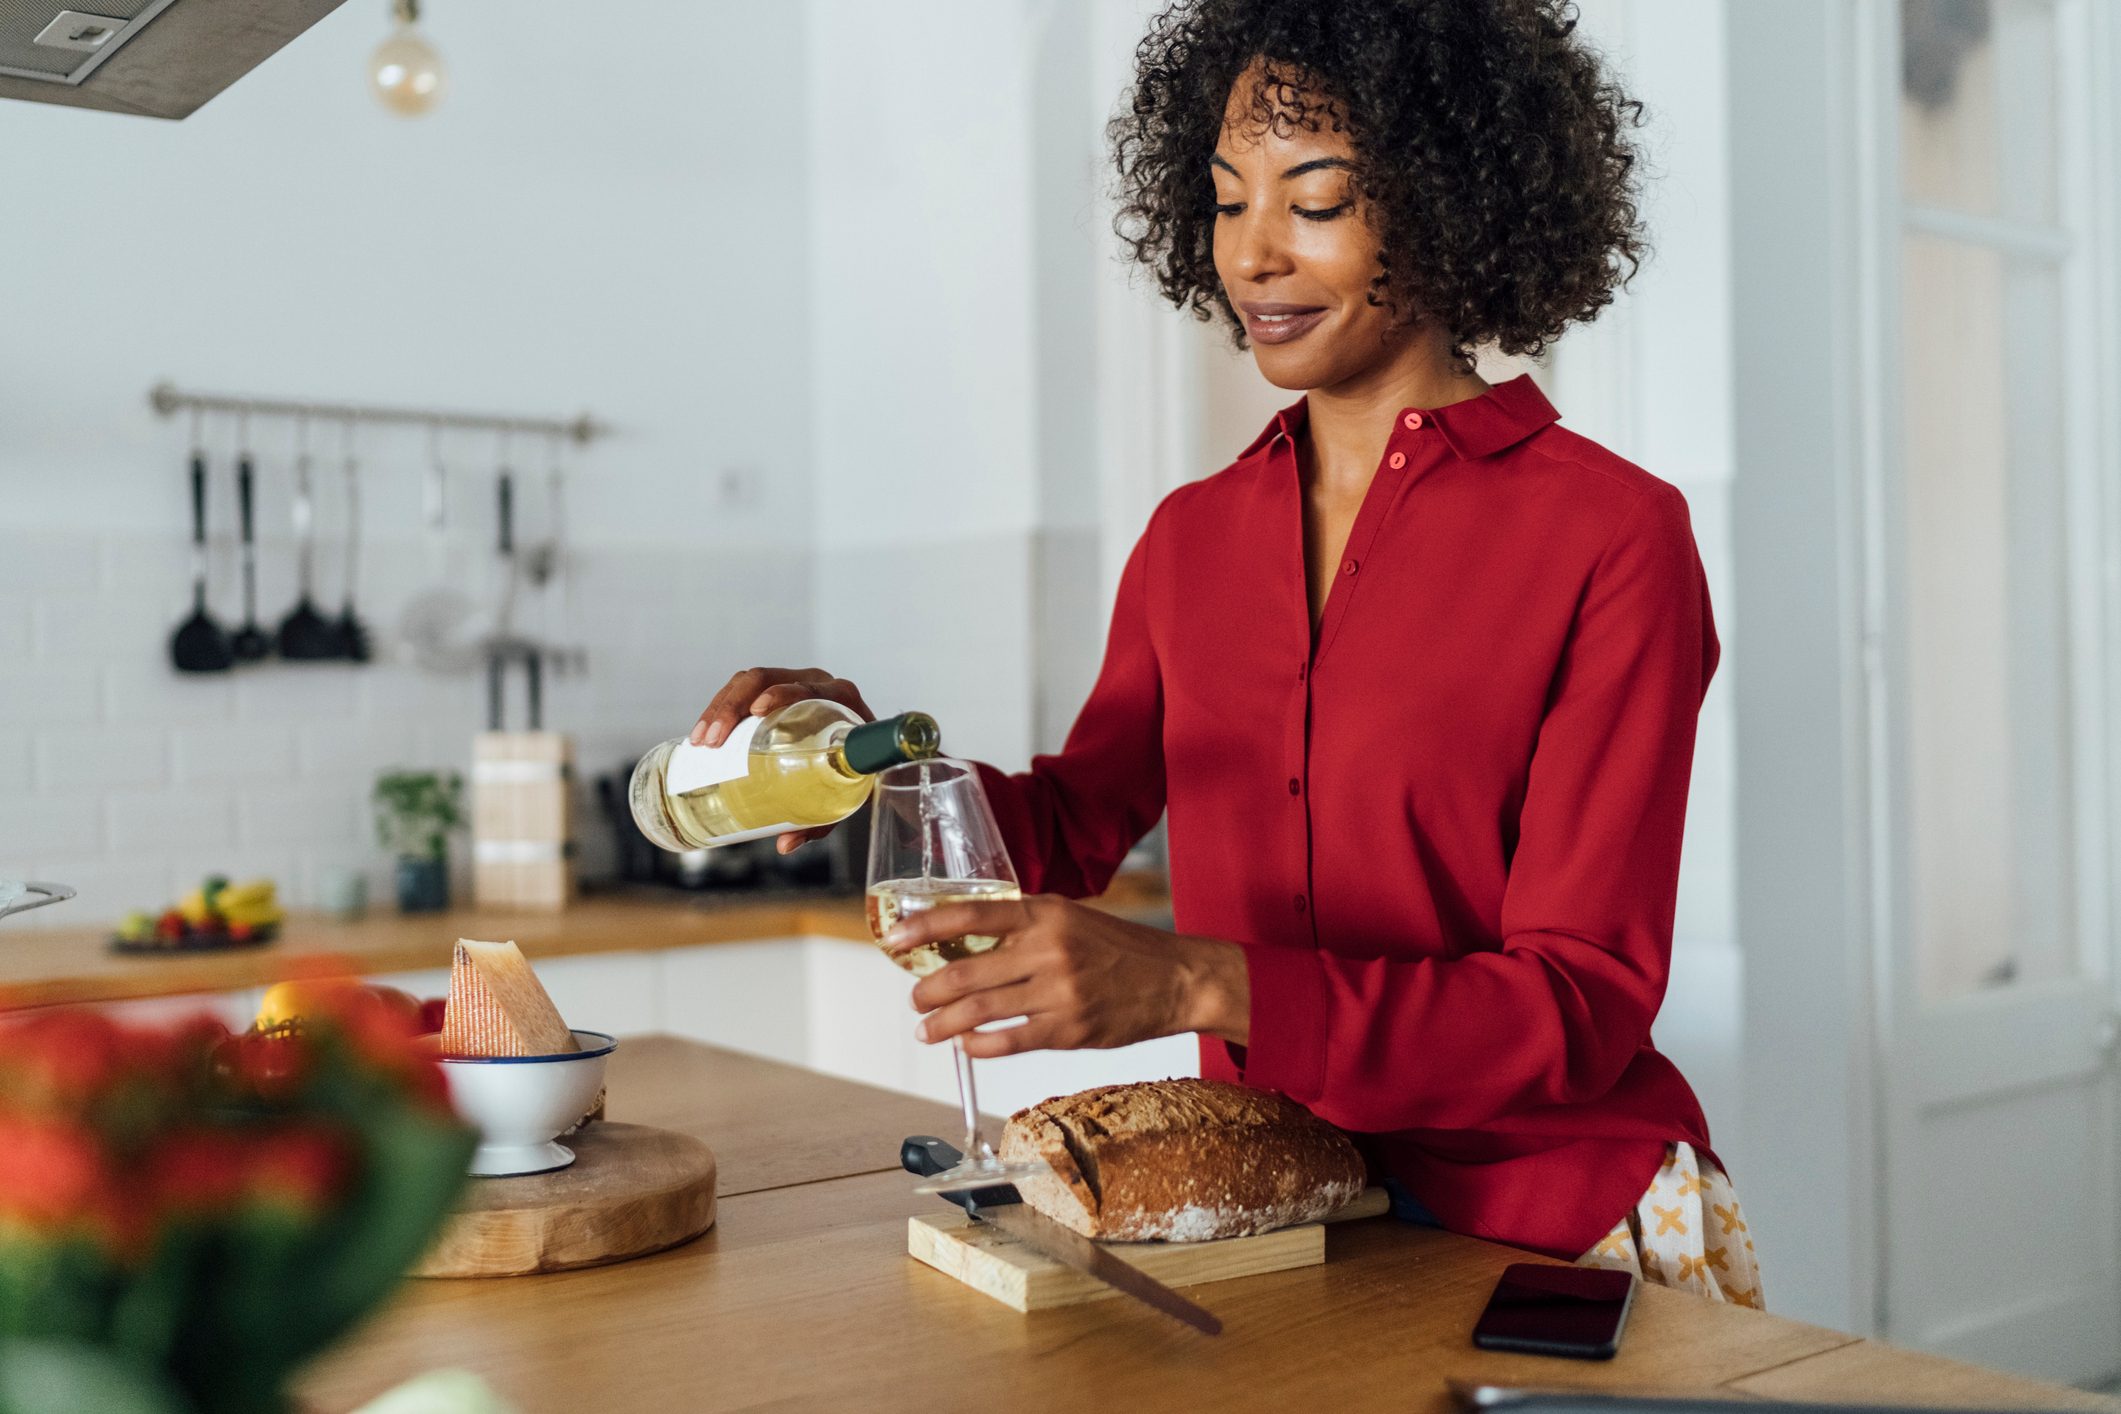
415 812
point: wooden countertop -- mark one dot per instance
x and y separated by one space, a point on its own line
802 1296
47 967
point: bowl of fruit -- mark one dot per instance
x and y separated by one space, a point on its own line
215 916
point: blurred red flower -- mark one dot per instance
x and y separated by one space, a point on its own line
54 1172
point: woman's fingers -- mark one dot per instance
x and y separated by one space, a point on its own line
1037 1034
990 1004
721 711
997 967
996 918
988 918
742 692
782 694
822 685
796 839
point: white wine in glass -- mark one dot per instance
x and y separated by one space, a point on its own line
895 899
933 842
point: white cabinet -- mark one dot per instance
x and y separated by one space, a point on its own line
746 996
861 1027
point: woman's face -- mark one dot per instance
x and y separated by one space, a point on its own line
1294 249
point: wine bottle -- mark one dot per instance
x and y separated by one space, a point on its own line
811 763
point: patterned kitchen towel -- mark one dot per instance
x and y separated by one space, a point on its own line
1687 1232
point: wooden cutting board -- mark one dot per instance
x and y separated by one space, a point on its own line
631 1190
997 1265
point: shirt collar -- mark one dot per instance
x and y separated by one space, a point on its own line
1501 417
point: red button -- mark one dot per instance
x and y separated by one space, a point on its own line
1396 460
1350 567
1413 420
1301 903
1295 786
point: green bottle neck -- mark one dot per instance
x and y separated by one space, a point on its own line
878 746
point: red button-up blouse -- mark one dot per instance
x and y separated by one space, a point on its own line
1447 826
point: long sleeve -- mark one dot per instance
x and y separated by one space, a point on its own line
1072 817
1555 1014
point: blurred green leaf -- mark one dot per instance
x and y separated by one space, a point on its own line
41 1377
416 810
281 1286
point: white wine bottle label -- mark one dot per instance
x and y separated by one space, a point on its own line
743 836
692 768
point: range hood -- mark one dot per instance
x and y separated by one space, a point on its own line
155 58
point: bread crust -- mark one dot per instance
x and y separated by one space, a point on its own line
1181 1161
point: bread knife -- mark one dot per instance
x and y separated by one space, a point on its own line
1003 1209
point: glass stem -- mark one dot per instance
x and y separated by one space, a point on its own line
976 1150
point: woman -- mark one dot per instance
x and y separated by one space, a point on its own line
1416 677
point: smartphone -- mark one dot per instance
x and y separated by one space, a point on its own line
1572 1311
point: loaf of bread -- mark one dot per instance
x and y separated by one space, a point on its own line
1181 1161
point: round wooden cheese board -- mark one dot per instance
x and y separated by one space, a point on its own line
631 1190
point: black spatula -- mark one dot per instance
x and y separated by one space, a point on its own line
353 634
199 645
306 636
249 642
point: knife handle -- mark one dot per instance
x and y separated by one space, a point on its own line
928 1156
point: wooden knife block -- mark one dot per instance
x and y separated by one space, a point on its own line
522 820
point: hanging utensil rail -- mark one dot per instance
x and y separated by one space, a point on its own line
169 400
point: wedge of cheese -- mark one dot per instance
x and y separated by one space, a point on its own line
497 1006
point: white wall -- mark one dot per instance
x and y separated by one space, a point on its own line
562 234
955 303
960 291
1802 867
922 298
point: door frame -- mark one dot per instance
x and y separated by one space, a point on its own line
1801 601
1816 229
1923 1065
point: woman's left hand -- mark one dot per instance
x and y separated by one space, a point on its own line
1082 978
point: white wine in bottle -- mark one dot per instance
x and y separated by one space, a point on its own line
894 899
811 763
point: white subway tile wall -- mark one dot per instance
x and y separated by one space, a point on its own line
130 781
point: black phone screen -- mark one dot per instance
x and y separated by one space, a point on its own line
1574 1311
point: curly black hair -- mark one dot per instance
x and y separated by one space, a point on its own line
1493 153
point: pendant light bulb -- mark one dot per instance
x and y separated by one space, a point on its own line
405 73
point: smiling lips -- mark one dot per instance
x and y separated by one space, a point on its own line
1273 322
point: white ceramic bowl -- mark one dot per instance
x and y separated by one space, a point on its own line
521 1103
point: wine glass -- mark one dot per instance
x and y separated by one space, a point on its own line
933 841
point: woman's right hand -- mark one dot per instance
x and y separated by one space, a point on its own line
757 691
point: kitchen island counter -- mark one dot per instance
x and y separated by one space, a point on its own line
802 1297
